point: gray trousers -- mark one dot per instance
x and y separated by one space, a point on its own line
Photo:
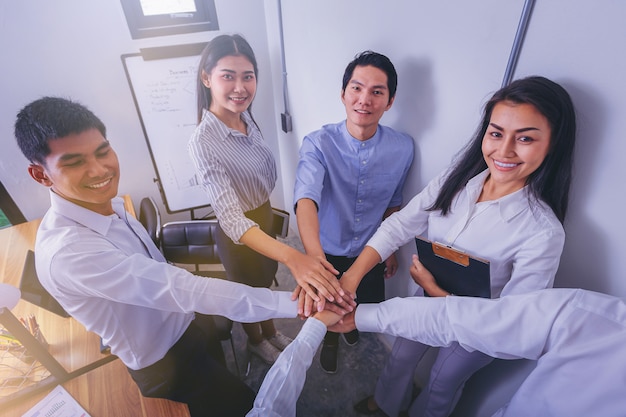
452 368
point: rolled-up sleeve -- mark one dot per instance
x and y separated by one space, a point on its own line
310 173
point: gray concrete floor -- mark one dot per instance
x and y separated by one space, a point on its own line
323 394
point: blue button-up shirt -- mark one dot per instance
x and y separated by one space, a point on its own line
352 182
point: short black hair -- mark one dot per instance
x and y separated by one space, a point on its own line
50 118
374 59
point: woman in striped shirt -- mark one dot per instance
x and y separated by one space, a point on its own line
238 171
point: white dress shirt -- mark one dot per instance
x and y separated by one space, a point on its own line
519 235
108 274
578 338
283 383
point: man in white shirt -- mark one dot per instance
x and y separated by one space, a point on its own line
576 336
100 264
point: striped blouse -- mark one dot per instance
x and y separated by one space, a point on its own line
237 171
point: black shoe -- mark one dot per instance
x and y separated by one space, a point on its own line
351 338
328 358
362 408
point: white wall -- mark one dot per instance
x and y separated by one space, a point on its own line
580 44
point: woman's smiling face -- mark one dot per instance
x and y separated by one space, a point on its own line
515 144
232 83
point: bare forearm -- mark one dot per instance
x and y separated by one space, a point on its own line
309 227
351 279
261 242
434 290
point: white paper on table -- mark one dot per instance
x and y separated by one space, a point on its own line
58 403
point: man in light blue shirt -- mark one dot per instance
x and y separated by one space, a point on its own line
349 178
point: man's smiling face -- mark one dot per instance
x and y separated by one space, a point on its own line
82 168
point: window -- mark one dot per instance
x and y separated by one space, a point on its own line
10 214
147 18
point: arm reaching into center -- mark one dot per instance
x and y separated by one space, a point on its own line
315 276
284 381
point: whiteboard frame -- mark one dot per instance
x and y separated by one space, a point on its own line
159 53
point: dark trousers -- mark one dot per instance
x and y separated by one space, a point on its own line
243 264
371 288
193 372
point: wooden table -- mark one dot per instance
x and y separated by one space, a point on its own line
107 389
71 345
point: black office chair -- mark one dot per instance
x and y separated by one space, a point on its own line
193 242
150 218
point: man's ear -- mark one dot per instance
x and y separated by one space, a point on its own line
390 103
38 173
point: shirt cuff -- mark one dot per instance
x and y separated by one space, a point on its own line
366 318
287 308
383 248
312 332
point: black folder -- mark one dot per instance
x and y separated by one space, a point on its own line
455 271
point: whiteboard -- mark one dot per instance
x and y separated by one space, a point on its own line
163 84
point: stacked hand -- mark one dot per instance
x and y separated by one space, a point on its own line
319 289
336 322
339 316
341 305
314 298
315 276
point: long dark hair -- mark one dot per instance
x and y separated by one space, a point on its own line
216 49
551 181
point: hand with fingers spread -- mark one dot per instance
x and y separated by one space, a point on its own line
307 305
316 276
